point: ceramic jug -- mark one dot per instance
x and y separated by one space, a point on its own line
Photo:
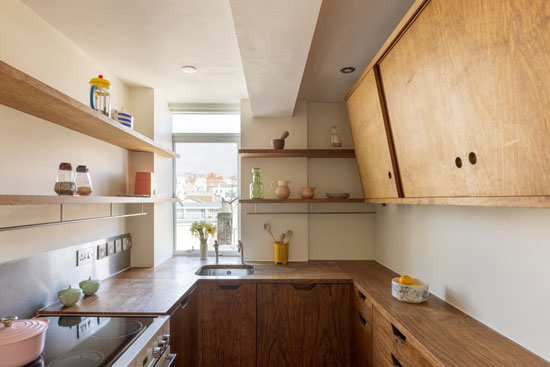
281 189
308 192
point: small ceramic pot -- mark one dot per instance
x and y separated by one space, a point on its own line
89 286
308 192
419 292
70 296
282 191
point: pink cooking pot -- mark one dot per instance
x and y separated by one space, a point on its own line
21 341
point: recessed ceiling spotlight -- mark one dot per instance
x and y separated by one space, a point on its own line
189 69
347 70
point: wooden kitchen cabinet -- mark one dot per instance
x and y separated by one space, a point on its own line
393 347
362 337
372 139
228 325
184 331
467 101
303 325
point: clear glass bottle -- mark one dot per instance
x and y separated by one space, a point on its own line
335 141
65 183
256 187
83 181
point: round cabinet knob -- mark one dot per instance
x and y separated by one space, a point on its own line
157 352
162 344
166 337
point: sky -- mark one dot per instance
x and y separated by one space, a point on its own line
220 158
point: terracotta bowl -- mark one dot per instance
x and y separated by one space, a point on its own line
277 143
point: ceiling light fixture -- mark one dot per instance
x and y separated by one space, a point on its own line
347 70
189 69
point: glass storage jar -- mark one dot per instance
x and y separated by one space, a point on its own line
256 187
83 181
65 184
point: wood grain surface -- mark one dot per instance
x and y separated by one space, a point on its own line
297 153
29 95
228 325
185 330
470 77
450 336
370 138
305 326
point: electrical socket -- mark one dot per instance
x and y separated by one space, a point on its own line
118 246
110 248
125 243
84 256
101 251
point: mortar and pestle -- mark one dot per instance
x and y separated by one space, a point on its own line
279 143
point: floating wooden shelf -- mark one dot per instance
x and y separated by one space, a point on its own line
297 153
56 200
27 94
301 201
499 201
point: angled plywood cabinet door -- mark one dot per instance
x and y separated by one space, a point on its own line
466 88
372 148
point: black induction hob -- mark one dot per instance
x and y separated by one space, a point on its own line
89 341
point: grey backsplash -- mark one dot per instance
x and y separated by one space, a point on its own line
29 284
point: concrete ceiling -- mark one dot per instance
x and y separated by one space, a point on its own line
274 39
147 42
289 49
348 33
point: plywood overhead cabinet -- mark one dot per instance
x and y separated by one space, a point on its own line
466 87
370 137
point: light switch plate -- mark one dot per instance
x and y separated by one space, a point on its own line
101 251
110 248
118 246
84 256
126 243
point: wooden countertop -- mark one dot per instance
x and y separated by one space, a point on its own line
452 337
157 291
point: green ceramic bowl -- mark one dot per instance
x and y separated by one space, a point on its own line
90 286
69 296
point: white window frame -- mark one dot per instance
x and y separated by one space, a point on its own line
206 138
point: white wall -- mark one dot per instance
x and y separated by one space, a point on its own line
315 236
31 149
492 263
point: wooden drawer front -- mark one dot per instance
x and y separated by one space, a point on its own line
394 348
363 304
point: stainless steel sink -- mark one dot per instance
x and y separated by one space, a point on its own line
225 270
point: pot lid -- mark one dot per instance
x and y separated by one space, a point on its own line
20 330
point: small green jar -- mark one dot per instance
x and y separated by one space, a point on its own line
89 286
69 296
256 187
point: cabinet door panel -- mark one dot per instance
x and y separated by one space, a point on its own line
362 344
184 331
303 327
228 325
471 77
372 149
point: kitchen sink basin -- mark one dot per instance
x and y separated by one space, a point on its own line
225 270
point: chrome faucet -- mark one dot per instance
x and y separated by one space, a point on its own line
240 248
217 248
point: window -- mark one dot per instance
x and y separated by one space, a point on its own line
206 175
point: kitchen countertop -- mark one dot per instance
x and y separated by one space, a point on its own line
157 291
450 336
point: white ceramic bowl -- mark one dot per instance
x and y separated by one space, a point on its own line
410 293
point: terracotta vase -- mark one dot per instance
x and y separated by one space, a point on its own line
308 192
282 191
